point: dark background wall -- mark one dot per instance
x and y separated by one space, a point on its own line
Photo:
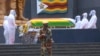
27 9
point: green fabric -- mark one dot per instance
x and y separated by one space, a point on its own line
51 24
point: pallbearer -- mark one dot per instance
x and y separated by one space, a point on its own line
93 20
12 26
6 27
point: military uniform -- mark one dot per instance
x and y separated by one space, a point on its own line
46 41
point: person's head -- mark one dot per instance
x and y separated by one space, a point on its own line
92 12
78 18
85 15
13 12
45 25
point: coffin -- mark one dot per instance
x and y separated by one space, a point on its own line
53 22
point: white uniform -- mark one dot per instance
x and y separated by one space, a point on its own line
12 26
78 22
93 20
5 26
84 22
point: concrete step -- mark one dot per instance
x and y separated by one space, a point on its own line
82 49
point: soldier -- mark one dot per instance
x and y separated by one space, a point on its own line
46 40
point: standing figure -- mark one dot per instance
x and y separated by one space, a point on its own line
6 27
78 22
84 22
20 8
18 5
46 40
12 26
93 20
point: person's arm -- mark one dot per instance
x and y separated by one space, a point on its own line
51 36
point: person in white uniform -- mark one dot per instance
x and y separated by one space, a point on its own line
5 26
84 22
12 26
93 20
78 22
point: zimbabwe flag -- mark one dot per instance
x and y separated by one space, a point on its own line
55 6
